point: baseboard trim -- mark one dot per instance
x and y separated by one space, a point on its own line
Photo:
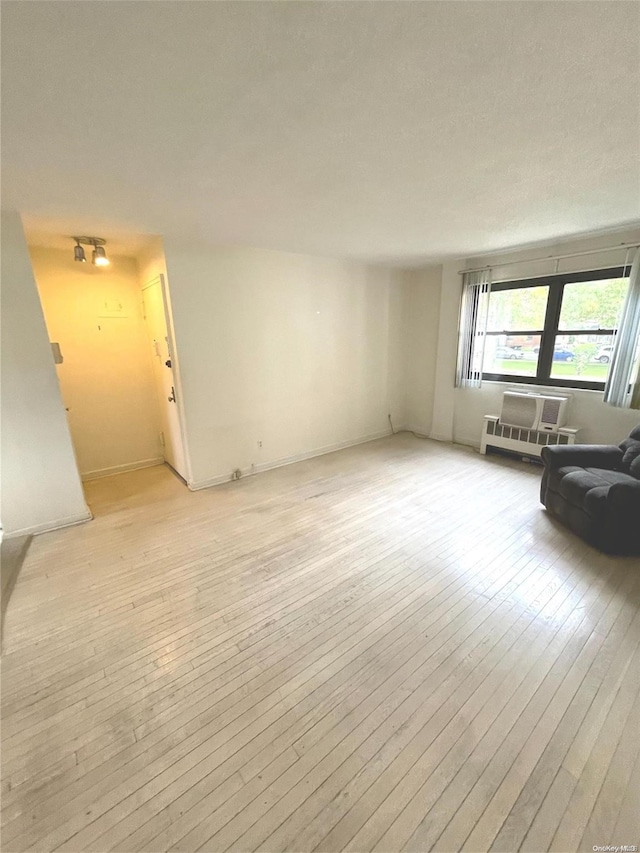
196 485
436 437
468 442
416 430
120 469
465 442
47 527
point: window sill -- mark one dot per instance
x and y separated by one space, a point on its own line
529 386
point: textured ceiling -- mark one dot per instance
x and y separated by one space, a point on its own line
389 131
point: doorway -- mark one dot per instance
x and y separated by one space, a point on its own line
156 314
114 360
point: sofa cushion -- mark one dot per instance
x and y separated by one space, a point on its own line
630 451
553 477
575 485
595 501
634 468
608 476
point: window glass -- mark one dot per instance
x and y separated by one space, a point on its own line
584 357
515 323
590 305
511 355
588 308
587 314
519 309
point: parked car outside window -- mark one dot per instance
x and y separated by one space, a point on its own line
560 354
508 352
604 355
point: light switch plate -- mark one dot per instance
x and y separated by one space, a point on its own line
58 358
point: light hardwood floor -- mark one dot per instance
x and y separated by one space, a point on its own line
392 647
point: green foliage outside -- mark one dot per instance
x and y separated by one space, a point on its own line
586 305
584 355
517 309
593 304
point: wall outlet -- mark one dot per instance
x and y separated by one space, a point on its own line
259 444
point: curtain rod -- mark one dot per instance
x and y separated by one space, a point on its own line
619 247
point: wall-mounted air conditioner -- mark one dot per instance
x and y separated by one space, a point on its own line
541 412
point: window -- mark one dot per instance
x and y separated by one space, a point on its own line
556 330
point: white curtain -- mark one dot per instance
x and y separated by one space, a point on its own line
623 384
472 330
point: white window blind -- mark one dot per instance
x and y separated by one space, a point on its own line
474 310
622 388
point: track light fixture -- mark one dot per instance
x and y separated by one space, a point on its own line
98 256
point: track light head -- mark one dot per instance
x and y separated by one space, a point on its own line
99 257
78 253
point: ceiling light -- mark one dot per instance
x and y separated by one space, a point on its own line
78 253
98 256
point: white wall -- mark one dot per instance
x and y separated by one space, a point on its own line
458 413
420 339
599 424
448 314
41 489
396 368
299 353
106 379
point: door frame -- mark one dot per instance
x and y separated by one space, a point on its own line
175 366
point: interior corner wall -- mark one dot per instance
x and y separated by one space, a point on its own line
396 368
442 426
151 262
420 338
106 378
282 356
41 488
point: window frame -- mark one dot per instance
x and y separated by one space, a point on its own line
548 334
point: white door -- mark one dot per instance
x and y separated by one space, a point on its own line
163 361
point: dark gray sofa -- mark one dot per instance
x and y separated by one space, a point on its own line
595 491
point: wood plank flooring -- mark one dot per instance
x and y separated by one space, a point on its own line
388 648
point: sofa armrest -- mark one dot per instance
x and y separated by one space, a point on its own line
583 456
623 511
